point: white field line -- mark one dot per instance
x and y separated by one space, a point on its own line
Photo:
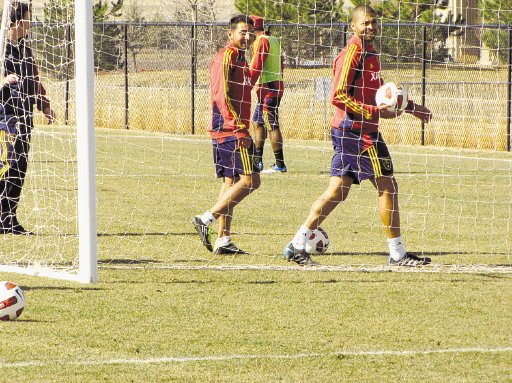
432 268
327 146
227 358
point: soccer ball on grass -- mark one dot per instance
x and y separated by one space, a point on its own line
318 242
12 301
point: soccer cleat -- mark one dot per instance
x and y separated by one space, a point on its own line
410 260
260 166
275 169
230 248
204 232
300 257
20 230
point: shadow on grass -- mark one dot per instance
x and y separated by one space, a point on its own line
141 234
60 288
127 261
428 253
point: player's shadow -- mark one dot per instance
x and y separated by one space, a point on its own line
420 253
127 261
156 234
60 288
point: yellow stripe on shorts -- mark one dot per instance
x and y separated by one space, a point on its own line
3 157
372 152
266 120
246 160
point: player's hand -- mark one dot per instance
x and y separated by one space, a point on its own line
49 114
11 79
421 112
387 114
245 142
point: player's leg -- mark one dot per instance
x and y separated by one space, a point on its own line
231 163
336 192
225 219
389 211
15 144
260 134
271 119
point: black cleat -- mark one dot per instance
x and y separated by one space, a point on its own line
20 230
204 232
300 257
410 260
230 248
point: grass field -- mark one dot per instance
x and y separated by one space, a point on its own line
166 310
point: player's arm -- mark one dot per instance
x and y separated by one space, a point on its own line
42 102
227 110
344 73
260 52
418 111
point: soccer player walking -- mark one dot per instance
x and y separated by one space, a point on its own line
360 152
20 91
267 73
233 147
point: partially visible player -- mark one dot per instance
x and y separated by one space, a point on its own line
21 89
360 152
267 73
233 148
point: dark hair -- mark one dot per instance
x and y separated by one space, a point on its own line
363 9
235 20
18 11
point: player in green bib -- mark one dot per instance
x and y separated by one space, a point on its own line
266 70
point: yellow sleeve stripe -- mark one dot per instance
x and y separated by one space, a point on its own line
341 89
372 153
347 62
227 60
246 160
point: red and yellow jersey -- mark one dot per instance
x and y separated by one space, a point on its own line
266 66
357 77
230 90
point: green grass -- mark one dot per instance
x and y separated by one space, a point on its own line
167 310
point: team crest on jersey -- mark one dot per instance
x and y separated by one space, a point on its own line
376 75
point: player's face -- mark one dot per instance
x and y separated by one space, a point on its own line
365 26
241 36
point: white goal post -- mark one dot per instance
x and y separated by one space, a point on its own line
86 269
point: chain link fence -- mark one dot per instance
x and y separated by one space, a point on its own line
154 76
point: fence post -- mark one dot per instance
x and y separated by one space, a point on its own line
509 88
126 105
68 60
193 76
423 79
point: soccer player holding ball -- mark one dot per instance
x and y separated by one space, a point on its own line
233 147
360 152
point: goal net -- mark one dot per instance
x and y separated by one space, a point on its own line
48 193
154 156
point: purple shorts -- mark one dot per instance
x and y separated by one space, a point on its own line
267 113
232 161
359 155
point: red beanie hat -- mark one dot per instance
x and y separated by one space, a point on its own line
258 22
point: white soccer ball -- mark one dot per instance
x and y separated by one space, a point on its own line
12 301
394 95
318 242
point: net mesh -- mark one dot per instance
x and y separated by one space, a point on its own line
455 174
